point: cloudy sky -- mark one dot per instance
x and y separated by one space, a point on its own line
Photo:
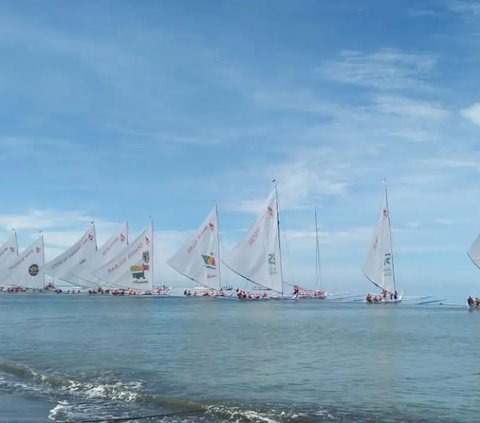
114 111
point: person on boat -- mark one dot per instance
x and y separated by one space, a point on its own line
296 291
470 301
395 296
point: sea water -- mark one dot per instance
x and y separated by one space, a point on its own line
81 358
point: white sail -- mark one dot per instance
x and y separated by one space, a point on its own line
82 274
26 271
474 252
257 256
133 266
63 266
378 265
197 259
8 251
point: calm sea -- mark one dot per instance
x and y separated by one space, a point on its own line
84 358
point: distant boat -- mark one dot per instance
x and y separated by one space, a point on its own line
301 293
131 270
198 258
379 265
474 254
26 271
8 253
67 265
257 257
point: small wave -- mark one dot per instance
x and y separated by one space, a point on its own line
236 414
109 399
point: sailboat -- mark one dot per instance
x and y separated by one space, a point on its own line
66 265
474 254
26 271
317 293
82 273
198 258
8 253
379 266
131 270
257 257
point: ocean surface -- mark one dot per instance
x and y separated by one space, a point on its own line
93 358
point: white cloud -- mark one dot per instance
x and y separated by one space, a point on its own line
43 219
387 69
464 7
472 113
410 108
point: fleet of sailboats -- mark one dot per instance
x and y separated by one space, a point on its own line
257 258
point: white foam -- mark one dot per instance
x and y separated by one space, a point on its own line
240 415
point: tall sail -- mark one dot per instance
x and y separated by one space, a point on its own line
378 265
198 258
26 271
8 251
474 252
63 266
82 274
257 256
133 266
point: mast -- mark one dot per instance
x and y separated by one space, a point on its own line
95 235
389 232
153 253
16 240
43 257
317 253
278 233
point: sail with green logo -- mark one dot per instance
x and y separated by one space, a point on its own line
198 257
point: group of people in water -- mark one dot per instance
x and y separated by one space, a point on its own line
303 293
207 293
473 302
385 296
245 295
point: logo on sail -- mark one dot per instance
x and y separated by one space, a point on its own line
272 264
138 273
138 270
33 270
209 261
387 265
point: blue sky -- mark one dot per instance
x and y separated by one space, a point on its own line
117 110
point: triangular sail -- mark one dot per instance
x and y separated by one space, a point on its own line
257 256
82 273
8 251
63 266
378 265
132 267
26 271
198 258
474 252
